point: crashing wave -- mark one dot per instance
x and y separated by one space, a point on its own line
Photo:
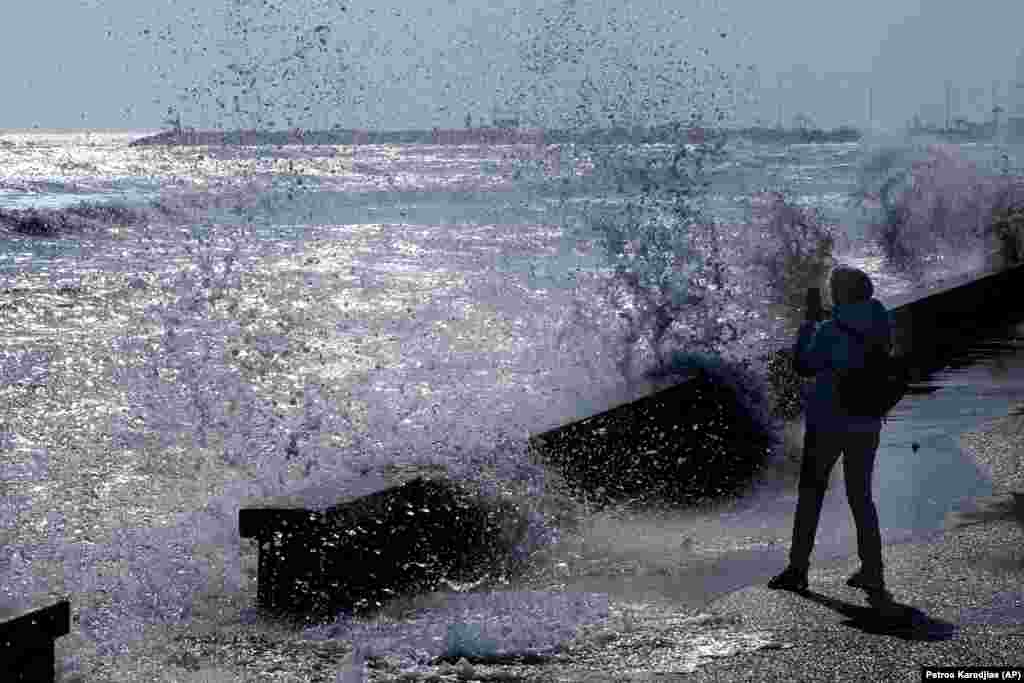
83 217
40 187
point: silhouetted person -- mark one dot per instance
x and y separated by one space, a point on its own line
821 347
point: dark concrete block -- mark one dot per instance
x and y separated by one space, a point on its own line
688 442
360 553
27 635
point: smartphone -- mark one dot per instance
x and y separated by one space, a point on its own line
813 309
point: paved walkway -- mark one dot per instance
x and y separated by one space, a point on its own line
958 599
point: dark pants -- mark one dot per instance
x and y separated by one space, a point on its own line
821 450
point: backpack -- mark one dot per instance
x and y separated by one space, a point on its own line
873 390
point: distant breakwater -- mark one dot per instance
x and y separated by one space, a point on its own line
437 136
491 135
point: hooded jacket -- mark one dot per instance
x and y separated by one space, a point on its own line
823 347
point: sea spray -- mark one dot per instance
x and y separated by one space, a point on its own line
678 280
937 209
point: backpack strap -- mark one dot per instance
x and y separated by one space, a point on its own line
856 333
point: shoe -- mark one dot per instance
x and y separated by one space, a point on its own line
864 581
791 580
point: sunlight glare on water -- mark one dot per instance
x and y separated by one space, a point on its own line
410 304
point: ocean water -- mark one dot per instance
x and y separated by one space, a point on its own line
381 304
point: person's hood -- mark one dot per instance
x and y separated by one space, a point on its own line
867 317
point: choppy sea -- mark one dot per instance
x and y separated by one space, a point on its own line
429 288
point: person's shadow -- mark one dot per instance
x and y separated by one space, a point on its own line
885 616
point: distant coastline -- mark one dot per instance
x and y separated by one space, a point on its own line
512 135
344 137
492 135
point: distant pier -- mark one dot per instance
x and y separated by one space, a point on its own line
488 136
191 137
495 135
437 136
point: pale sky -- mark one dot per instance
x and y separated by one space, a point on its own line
403 64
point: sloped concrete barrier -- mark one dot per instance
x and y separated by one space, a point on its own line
931 326
27 636
689 442
693 440
360 553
